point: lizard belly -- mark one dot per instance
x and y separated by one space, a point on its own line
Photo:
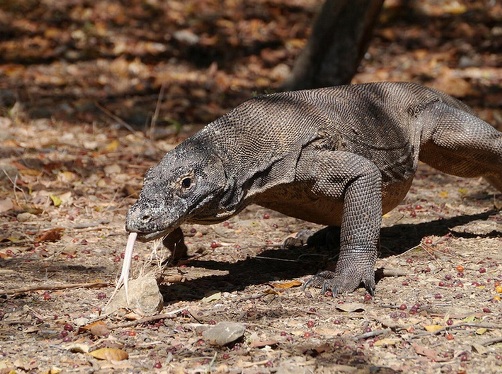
300 202
394 193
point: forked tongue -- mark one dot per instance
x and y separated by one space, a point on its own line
126 267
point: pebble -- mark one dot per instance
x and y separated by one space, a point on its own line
224 333
144 297
25 217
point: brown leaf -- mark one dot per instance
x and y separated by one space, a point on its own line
291 284
322 348
98 328
263 343
30 172
175 278
51 235
5 205
114 354
112 146
424 351
351 307
270 291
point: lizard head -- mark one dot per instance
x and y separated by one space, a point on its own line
183 187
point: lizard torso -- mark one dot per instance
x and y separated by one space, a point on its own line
359 119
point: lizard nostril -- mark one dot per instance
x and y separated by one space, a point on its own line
146 217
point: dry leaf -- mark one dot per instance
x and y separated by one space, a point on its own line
284 285
215 296
327 332
90 325
424 351
174 278
110 354
433 328
270 291
443 194
56 200
51 235
479 348
471 318
67 176
351 307
98 328
78 348
386 342
132 316
112 146
322 348
6 205
65 197
263 343
30 172
54 370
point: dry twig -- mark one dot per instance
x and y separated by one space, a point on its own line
19 291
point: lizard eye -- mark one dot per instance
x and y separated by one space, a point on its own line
186 183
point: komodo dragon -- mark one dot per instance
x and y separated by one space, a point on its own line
339 156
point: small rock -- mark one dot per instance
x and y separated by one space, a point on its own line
81 321
112 169
144 297
224 333
186 36
26 217
91 144
280 72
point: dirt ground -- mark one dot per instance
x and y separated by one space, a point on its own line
74 147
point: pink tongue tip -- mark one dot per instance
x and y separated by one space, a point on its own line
126 267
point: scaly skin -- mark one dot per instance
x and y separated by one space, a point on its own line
337 156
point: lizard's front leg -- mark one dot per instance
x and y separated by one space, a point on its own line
356 181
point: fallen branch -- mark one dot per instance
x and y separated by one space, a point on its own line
147 319
19 291
370 334
393 272
488 342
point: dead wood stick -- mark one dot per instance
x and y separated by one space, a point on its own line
147 319
22 290
371 334
488 342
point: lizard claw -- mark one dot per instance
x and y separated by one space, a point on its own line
339 283
299 240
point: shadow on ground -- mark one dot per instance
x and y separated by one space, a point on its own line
280 263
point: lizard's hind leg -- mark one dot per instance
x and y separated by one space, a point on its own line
459 143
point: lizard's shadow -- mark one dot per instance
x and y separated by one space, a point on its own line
278 263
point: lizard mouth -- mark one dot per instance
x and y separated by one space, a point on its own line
146 237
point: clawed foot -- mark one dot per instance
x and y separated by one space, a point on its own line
299 240
339 283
